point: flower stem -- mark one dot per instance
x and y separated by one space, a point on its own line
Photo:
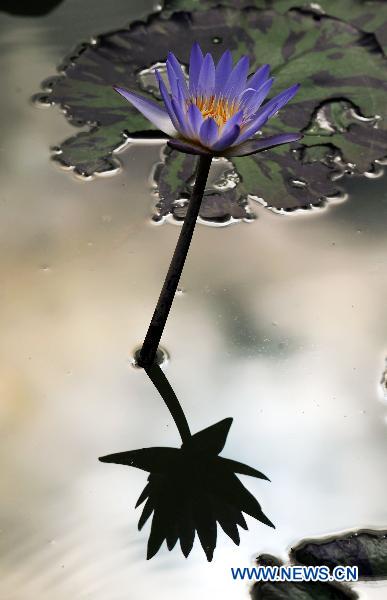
160 315
165 390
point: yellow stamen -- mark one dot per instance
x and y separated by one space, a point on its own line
217 107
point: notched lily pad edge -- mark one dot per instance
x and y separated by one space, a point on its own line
365 548
164 215
110 165
379 534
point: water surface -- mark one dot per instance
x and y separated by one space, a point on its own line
281 325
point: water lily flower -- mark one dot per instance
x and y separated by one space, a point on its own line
191 489
219 109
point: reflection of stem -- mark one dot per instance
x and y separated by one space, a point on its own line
160 315
165 390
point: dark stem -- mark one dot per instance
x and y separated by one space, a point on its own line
165 390
160 315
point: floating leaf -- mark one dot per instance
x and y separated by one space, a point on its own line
280 181
343 76
224 200
365 549
369 16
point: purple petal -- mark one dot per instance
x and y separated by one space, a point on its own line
222 71
229 133
281 99
195 118
152 111
208 132
181 117
236 119
187 147
206 83
252 102
166 98
266 112
237 79
246 95
253 146
259 77
226 139
195 64
255 124
172 78
181 101
174 63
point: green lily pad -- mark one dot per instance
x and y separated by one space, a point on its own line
338 69
369 16
365 549
224 201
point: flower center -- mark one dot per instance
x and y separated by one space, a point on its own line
217 107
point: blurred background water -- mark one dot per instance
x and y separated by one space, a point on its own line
281 324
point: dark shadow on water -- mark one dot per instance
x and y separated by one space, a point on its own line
29 8
190 489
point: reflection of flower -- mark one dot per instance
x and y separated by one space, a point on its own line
191 489
219 110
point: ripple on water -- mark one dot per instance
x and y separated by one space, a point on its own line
162 357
